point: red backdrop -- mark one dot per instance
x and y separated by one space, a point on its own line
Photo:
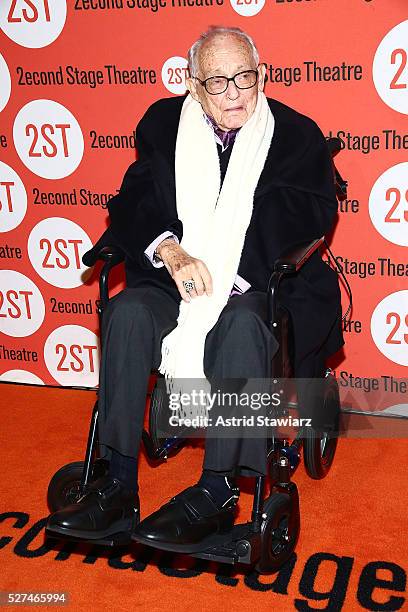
75 80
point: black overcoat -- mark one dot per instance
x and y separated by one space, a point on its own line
294 202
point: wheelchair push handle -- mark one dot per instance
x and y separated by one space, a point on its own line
293 259
335 146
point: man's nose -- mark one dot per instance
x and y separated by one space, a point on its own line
232 91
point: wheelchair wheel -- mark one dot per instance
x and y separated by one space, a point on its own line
319 447
157 406
161 447
279 532
64 485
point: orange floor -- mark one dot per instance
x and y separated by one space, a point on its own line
351 554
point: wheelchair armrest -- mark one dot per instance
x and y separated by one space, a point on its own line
289 263
111 254
293 259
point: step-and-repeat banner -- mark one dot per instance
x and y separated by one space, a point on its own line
75 78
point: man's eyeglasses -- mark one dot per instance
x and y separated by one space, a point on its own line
218 84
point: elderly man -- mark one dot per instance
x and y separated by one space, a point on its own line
225 181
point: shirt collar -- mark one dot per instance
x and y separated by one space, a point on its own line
222 138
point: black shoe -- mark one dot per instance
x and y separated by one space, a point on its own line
106 509
183 524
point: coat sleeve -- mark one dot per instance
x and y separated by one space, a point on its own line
138 213
307 177
305 208
299 201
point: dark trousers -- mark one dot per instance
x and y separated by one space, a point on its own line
240 345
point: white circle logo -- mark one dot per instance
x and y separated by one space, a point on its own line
388 204
389 327
48 139
21 376
22 308
55 248
390 68
174 73
71 354
5 83
247 8
33 23
13 199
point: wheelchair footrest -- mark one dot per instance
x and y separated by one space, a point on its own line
240 545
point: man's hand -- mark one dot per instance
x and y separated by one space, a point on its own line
182 267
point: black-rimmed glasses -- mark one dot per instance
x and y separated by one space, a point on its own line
218 84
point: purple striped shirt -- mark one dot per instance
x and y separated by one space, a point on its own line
225 138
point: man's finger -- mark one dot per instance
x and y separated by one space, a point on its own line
195 271
191 277
207 280
199 284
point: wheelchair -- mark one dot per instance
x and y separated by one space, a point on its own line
268 539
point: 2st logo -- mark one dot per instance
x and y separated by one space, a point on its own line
77 357
388 204
33 23
73 362
55 248
48 139
247 8
390 68
396 336
53 136
399 54
22 308
389 327
28 12
177 76
61 253
13 198
174 73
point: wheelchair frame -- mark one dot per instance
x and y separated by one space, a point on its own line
246 542
269 538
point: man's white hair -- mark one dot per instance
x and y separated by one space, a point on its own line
193 53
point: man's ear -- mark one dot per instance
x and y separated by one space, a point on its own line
192 88
261 78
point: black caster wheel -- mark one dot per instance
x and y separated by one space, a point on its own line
319 447
64 485
279 532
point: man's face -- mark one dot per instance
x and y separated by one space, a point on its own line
226 55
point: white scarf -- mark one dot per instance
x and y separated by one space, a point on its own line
214 222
